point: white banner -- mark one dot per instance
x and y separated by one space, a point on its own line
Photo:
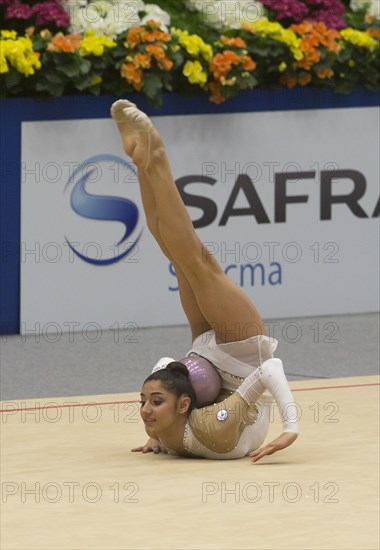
287 202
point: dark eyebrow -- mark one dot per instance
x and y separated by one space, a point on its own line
153 393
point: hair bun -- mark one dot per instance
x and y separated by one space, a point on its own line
176 366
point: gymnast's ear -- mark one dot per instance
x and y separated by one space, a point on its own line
183 404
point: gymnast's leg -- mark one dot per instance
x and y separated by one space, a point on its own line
218 302
197 321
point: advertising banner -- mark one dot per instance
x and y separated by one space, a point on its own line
288 202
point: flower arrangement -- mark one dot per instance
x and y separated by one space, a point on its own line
232 69
194 55
148 61
57 48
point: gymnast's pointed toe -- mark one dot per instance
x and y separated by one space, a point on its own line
124 111
117 109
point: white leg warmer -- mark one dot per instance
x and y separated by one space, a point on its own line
270 375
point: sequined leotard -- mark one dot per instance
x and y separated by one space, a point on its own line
239 424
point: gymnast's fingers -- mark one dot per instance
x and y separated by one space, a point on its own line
137 449
147 449
256 455
142 449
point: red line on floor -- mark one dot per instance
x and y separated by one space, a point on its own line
337 387
137 401
43 407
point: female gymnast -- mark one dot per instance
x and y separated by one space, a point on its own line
226 329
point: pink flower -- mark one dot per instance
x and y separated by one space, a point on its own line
50 12
328 11
287 9
44 13
331 21
18 11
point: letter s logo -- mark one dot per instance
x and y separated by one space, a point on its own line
102 207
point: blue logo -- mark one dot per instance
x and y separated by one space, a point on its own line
103 207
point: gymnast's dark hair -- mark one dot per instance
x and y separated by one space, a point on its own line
176 379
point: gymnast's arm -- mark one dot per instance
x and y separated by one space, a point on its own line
271 376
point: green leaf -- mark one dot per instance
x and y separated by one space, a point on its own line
345 54
250 81
12 78
343 87
371 77
322 65
70 65
53 77
38 43
178 59
83 83
95 90
53 89
152 85
371 87
85 66
118 52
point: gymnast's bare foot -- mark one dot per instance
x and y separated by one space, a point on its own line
139 136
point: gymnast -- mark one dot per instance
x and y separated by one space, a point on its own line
226 328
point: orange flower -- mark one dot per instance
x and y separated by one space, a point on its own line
310 58
132 74
30 31
162 36
147 36
166 64
233 42
67 44
248 63
375 33
309 42
137 35
157 32
330 40
133 37
142 60
157 52
221 64
326 73
302 28
232 57
304 79
216 92
289 81
313 35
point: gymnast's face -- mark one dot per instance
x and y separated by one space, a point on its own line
160 409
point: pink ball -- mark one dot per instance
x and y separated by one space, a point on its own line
204 379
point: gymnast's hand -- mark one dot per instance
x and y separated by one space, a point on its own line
285 439
151 446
